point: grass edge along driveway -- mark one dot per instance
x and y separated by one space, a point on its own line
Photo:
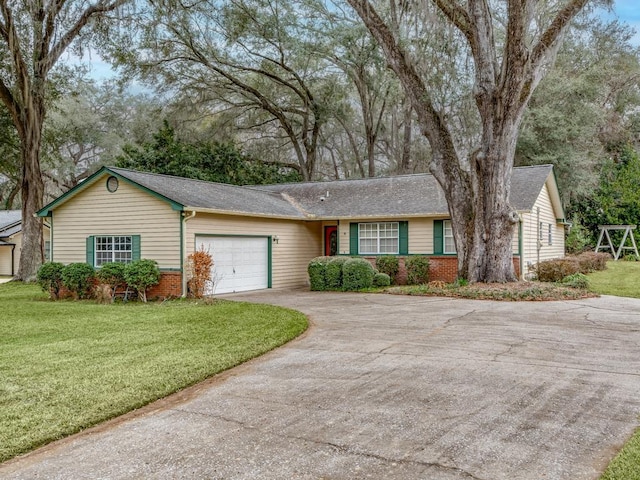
66 366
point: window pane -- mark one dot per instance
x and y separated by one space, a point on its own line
113 249
377 238
449 242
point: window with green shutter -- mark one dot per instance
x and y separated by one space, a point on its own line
112 248
379 238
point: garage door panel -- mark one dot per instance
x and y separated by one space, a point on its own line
240 263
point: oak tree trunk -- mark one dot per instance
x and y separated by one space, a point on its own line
32 252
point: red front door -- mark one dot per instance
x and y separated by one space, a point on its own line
331 241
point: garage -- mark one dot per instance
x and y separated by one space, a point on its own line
240 263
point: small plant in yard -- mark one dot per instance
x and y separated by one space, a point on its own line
79 278
49 277
417 269
142 274
577 280
357 273
199 267
381 280
112 275
388 264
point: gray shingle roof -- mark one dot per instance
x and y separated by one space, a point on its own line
10 222
417 194
213 196
405 195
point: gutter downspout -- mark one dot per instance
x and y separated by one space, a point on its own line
185 219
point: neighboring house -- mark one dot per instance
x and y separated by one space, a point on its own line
11 241
264 236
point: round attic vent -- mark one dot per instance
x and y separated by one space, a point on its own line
112 184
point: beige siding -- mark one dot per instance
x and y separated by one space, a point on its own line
298 242
5 253
5 260
420 236
128 211
530 233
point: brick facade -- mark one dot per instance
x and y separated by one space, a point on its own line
443 268
170 286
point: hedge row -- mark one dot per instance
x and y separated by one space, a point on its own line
558 269
349 274
83 281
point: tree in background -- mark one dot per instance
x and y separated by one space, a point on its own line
210 161
33 36
587 110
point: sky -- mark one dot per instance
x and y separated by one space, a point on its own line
627 11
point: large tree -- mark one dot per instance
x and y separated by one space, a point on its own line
33 36
509 45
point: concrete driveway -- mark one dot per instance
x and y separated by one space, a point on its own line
390 387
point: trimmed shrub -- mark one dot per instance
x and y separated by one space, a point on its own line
142 274
577 280
49 277
357 273
381 280
79 279
317 270
112 275
417 270
592 261
388 264
555 270
333 273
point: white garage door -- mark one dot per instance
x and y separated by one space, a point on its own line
239 263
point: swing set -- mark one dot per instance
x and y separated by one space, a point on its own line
628 234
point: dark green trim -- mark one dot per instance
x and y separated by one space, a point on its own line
45 211
90 255
403 240
171 270
269 261
353 239
51 237
438 238
135 247
337 239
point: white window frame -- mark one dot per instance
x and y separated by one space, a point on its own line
447 233
394 227
98 260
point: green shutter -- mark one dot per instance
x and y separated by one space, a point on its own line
90 249
438 237
353 238
135 247
403 228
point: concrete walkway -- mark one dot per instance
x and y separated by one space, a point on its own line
390 387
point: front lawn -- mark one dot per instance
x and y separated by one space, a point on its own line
620 278
65 366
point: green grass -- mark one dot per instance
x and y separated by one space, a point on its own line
65 366
626 465
620 278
